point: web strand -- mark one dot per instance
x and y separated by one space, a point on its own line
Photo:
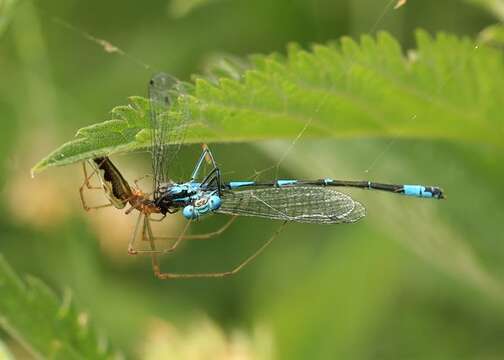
387 8
441 86
107 46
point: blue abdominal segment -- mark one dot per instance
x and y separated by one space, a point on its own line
423 191
286 182
238 184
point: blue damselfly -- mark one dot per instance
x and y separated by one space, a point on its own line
288 200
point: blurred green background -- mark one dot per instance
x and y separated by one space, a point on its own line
414 280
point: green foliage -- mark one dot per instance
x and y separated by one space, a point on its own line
7 8
48 328
339 90
495 7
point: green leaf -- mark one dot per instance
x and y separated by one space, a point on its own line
447 88
47 327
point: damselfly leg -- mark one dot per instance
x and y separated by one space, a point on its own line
179 238
213 178
146 237
205 155
170 276
204 236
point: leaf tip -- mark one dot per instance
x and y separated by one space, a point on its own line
37 168
33 172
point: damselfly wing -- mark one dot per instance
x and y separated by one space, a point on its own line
303 204
167 127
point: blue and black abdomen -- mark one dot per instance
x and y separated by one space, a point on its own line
419 191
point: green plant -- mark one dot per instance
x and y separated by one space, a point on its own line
46 326
447 88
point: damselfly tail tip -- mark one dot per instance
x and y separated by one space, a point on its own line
431 192
438 193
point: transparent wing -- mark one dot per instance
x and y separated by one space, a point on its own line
168 128
305 204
